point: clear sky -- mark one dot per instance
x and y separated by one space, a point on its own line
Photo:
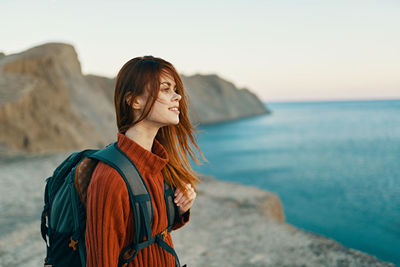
281 50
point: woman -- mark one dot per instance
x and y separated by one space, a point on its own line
153 130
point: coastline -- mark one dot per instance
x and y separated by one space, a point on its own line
247 230
231 225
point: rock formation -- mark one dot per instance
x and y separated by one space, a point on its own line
47 104
215 100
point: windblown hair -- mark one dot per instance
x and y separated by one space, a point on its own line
141 76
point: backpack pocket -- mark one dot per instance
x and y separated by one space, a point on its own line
65 250
67 245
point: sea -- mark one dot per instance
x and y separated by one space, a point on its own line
335 166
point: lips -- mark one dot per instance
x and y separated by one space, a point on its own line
175 109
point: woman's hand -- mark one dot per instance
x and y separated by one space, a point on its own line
181 200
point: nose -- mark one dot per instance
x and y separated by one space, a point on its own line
177 97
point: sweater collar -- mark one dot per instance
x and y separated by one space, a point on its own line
146 161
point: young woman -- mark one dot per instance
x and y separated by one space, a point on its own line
153 130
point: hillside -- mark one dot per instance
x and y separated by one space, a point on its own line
47 104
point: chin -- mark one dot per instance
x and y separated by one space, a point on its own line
174 122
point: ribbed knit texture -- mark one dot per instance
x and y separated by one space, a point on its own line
110 224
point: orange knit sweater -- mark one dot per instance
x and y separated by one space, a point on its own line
110 224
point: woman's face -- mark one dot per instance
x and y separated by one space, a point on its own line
161 113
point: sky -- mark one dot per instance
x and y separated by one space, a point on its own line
280 50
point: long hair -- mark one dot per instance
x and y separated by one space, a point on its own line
141 75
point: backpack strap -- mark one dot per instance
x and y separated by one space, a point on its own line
140 201
44 228
137 189
172 208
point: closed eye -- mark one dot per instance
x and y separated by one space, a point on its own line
169 88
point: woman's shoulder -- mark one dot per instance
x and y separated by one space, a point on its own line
107 195
106 177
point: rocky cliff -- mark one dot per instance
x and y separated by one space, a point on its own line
215 100
47 104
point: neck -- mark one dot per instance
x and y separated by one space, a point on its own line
143 134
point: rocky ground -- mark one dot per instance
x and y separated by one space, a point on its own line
236 225
230 225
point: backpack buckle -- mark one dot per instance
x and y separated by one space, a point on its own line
73 243
164 234
128 254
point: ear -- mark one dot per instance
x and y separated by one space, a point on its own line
135 103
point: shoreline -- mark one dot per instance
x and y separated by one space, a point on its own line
230 225
248 230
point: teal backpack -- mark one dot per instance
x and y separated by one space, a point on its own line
63 219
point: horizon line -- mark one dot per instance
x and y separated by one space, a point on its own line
330 100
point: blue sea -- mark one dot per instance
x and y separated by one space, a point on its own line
334 165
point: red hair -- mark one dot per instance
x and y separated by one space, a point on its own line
141 75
